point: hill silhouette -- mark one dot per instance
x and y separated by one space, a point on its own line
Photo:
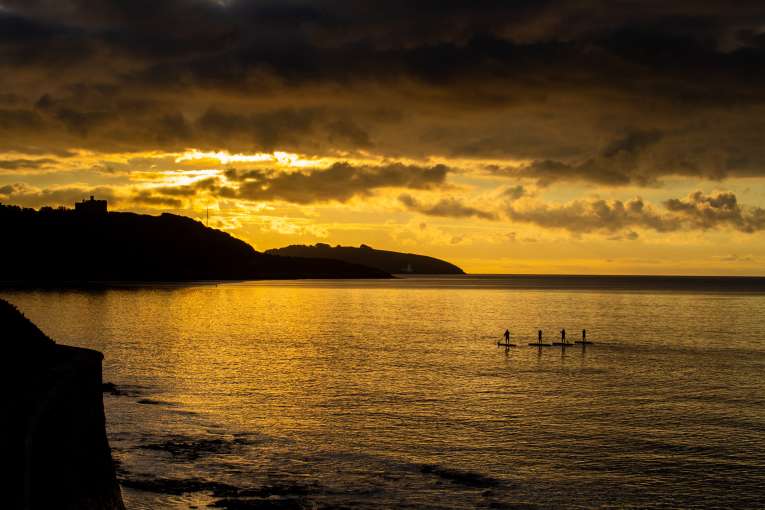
388 261
61 246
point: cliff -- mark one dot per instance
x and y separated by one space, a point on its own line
56 453
61 246
388 261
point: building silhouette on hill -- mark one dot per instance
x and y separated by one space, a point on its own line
92 207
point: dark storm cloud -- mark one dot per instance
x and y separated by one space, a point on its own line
619 163
606 92
446 207
19 120
339 182
277 129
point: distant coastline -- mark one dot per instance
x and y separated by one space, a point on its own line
385 260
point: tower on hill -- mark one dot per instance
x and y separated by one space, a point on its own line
92 206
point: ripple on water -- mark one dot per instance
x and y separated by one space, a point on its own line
371 397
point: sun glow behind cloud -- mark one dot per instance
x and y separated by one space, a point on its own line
278 157
174 177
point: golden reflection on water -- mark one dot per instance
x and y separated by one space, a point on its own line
355 386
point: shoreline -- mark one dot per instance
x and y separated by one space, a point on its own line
749 285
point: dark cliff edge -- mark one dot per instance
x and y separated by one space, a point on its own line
55 247
388 261
56 453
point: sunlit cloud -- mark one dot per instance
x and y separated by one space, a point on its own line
278 157
174 177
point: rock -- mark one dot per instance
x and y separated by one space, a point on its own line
467 478
55 449
178 486
192 449
112 389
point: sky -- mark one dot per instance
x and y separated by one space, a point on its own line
588 137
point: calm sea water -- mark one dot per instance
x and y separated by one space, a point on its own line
394 393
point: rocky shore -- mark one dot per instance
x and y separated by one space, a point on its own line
56 451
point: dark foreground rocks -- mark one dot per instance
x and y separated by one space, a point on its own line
54 448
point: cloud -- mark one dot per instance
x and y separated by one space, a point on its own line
146 197
25 195
188 190
30 196
24 164
698 211
717 209
582 216
620 162
629 235
446 207
514 192
280 128
584 92
736 258
339 182
19 121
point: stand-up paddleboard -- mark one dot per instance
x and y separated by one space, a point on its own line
563 344
585 342
537 344
499 344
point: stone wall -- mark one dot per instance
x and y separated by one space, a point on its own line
56 451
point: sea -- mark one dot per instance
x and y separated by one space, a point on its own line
395 394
